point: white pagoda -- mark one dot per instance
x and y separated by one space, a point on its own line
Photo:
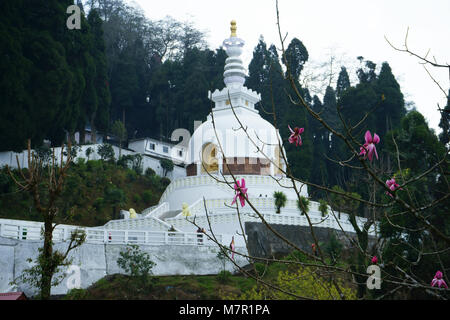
235 140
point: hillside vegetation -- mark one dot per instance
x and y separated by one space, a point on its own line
94 192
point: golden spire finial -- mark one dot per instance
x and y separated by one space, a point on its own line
233 28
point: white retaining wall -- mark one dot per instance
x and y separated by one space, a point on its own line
98 260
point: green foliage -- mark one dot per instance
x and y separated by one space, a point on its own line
119 130
420 150
342 203
77 294
136 263
224 276
296 57
333 247
44 153
222 258
303 205
147 196
167 166
106 152
280 200
88 152
49 268
164 182
149 172
304 282
323 207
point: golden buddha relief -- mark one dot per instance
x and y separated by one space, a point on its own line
209 158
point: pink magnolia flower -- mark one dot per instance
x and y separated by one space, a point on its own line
295 135
437 280
392 185
369 147
242 193
374 260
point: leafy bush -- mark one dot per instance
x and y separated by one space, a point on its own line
137 164
149 172
6 183
280 200
106 152
137 198
136 263
125 161
94 165
131 175
98 204
297 256
88 152
333 247
260 268
223 276
147 196
167 166
303 204
164 182
323 207
77 294
304 283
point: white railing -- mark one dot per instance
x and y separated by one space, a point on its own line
219 213
156 211
187 182
146 222
28 230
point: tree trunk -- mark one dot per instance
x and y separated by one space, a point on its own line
82 135
47 267
93 130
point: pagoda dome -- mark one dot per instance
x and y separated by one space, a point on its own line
234 136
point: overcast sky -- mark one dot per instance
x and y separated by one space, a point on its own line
344 29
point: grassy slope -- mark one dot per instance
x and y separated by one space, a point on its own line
190 287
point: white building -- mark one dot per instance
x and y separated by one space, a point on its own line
234 141
160 149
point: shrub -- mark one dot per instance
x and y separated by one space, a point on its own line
223 276
125 161
98 204
131 175
137 164
106 152
304 283
260 268
77 294
149 172
147 196
167 166
280 200
333 247
164 182
136 263
88 152
94 165
137 198
323 207
303 204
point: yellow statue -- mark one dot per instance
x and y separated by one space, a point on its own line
132 214
185 207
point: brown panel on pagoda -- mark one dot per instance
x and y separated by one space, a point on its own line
191 169
245 166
